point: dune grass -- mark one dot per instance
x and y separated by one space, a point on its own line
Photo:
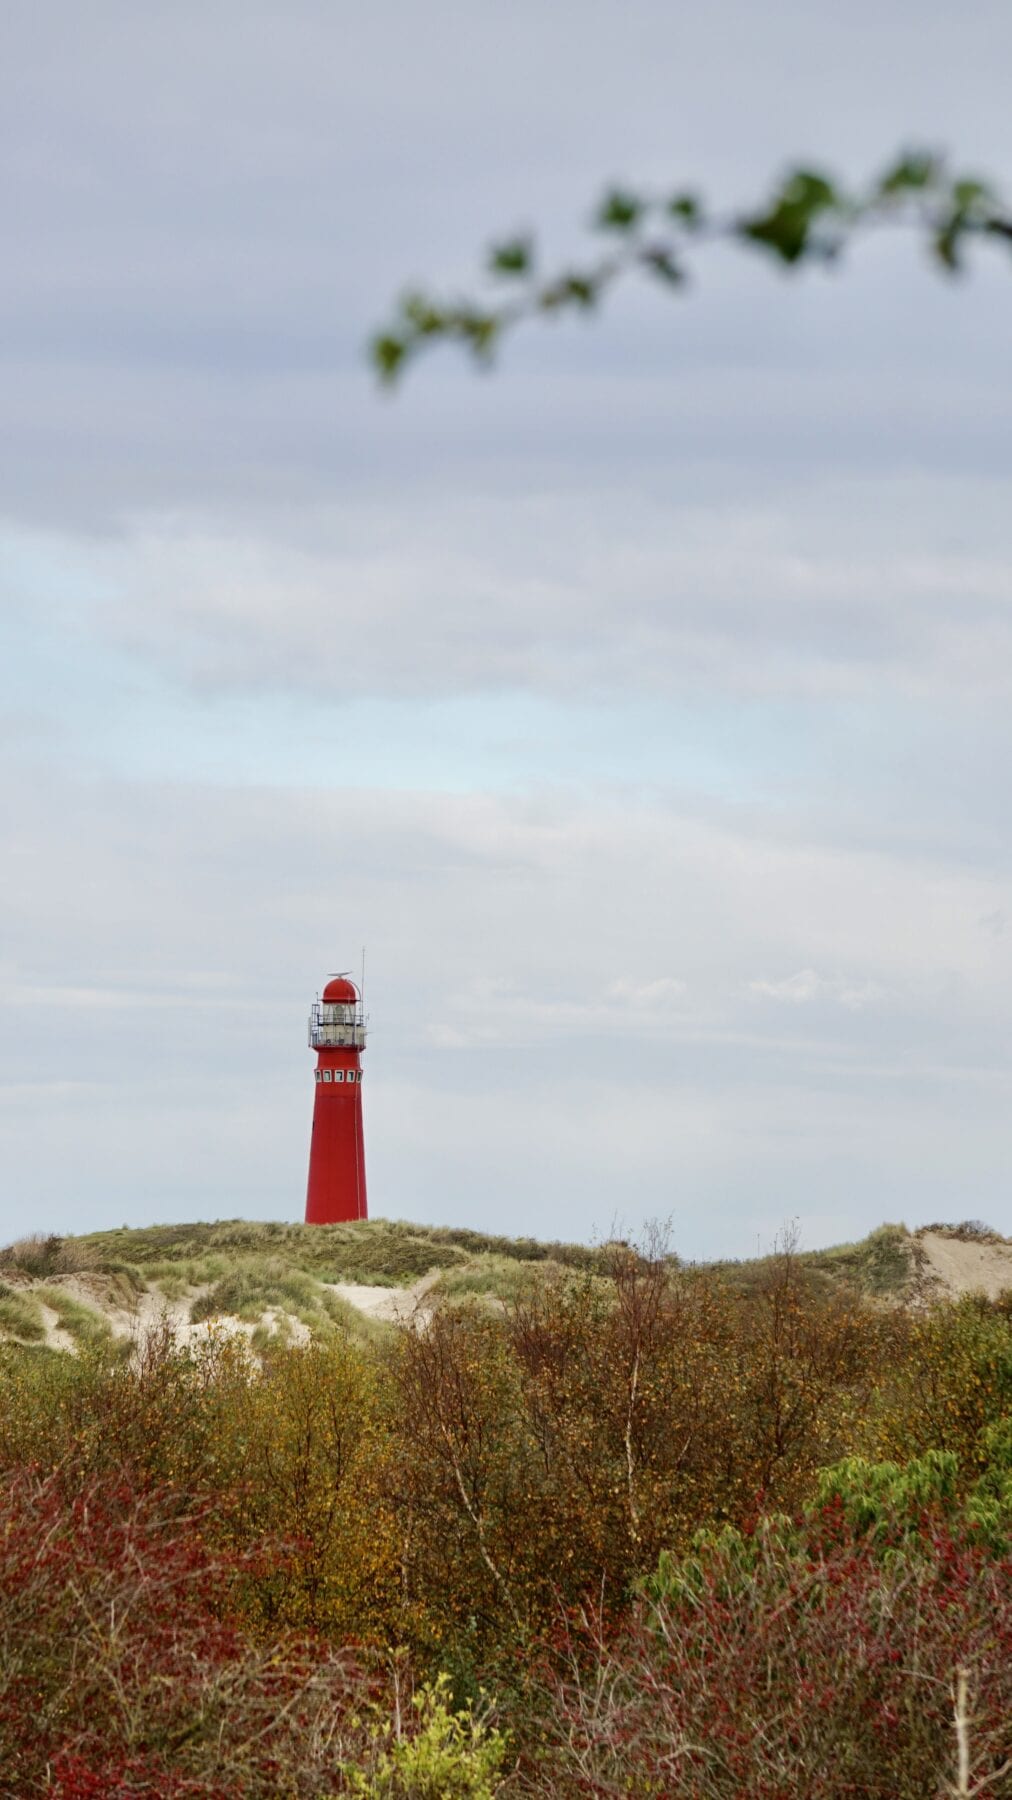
21 1315
268 1339
495 1276
881 1265
376 1251
81 1322
245 1268
252 1287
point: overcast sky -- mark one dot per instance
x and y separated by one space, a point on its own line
644 707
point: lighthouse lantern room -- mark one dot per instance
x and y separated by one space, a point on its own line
337 1032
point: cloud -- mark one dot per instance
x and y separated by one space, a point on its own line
806 986
497 1011
663 990
551 594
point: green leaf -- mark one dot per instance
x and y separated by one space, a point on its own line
571 290
515 257
915 170
805 188
388 354
783 230
969 194
619 211
425 319
947 244
687 208
786 229
480 330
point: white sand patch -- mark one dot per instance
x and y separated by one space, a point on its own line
395 1306
155 1312
151 1312
296 1331
139 1316
963 1265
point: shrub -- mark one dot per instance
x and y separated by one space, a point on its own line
554 1448
452 1756
37 1255
177 1602
314 1440
792 1662
989 1506
950 1376
121 1675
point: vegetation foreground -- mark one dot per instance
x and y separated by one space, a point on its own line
593 1523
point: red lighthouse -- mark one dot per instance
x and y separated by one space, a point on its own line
337 1148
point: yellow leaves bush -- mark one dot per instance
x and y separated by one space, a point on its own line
951 1378
315 1435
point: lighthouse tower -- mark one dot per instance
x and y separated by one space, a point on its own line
337 1148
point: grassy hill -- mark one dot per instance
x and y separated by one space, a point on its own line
288 1280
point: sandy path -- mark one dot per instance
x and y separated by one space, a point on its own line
397 1306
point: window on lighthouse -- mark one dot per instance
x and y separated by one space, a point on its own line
326 1074
338 1074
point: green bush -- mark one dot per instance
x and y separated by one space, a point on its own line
451 1756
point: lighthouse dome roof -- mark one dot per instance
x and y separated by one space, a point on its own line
340 989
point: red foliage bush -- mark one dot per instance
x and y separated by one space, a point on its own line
783 1666
121 1674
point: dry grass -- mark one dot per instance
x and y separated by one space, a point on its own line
38 1256
21 1315
373 1252
968 1231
